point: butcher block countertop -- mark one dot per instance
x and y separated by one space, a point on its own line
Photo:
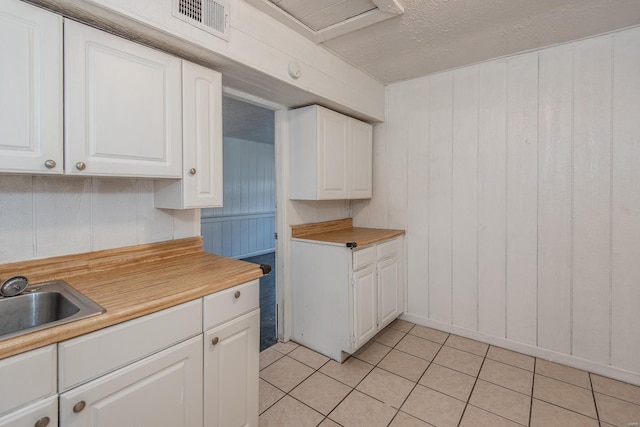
342 232
129 282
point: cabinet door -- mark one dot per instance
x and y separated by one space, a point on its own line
361 159
31 88
161 390
44 411
389 291
231 353
201 184
123 109
364 309
333 154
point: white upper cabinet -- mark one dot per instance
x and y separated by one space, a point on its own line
201 184
331 155
31 88
123 114
361 138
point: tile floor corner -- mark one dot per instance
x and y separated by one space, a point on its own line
411 375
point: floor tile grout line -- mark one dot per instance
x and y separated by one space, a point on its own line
533 385
563 381
595 402
466 404
565 409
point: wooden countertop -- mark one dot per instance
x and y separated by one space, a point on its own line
129 283
342 232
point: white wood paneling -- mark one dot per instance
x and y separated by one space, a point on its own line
591 199
625 247
522 165
116 206
154 225
554 198
43 216
417 191
557 137
16 218
464 198
62 214
245 225
492 173
440 176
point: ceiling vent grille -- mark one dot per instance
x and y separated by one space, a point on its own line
208 15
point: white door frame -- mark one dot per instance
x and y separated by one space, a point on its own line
283 231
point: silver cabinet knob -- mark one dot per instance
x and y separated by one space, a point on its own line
237 294
81 166
192 171
215 341
50 164
42 422
78 407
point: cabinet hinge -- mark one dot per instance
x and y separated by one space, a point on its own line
275 236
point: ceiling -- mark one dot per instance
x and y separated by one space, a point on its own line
437 35
433 36
246 121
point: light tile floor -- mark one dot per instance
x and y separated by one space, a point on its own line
410 375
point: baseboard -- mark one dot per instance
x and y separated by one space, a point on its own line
565 359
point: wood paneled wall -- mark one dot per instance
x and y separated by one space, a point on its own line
520 187
245 225
45 216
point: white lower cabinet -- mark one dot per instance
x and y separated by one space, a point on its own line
43 413
28 389
342 297
161 370
164 389
231 363
365 317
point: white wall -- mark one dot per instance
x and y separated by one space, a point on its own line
518 181
245 225
41 217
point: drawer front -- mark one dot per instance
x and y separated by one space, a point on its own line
27 377
230 303
388 249
364 257
89 356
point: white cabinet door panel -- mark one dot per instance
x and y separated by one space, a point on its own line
123 112
31 88
364 312
333 155
27 377
37 412
361 136
389 294
231 353
162 390
201 183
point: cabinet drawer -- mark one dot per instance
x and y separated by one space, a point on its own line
27 377
230 303
89 356
364 257
388 249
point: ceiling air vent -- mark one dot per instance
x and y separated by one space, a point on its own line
208 15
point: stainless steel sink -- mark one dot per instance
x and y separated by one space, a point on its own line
41 306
